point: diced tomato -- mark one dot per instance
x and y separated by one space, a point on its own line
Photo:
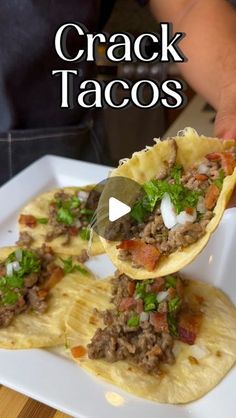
189 211
226 158
78 351
139 306
126 304
158 285
201 177
28 220
56 276
131 288
143 254
211 197
159 321
188 326
73 231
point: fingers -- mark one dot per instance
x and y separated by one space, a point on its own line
225 123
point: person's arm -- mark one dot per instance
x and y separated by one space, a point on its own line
210 46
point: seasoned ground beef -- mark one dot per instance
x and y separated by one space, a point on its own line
142 326
25 239
192 198
26 288
70 215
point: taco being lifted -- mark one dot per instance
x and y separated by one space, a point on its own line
167 339
36 290
186 183
61 218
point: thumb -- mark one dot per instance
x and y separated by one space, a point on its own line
225 123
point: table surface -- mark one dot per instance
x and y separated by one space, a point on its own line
16 405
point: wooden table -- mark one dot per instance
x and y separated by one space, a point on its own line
15 405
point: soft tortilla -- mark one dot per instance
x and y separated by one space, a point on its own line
39 208
144 166
32 330
181 382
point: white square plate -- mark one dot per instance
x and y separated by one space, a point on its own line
47 375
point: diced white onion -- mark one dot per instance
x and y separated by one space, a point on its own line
144 316
201 208
9 268
202 169
18 254
168 212
161 296
82 195
184 217
16 266
78 223
199 351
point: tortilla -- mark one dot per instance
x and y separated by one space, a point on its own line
184 381
39 208
147 164
32 330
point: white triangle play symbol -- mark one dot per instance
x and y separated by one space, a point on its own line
117 209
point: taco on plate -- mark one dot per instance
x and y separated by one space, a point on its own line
37 288
61 218
186 184
168 339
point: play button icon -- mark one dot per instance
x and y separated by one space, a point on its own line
117 209
116 197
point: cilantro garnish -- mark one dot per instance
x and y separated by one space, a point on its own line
180 196
85 234
150 302
28 264
219 182
172 324
173 304
170 282
42 221
176 173
65 216
69 267
133 321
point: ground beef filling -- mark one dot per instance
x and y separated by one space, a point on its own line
70 215
204 179
26 288
142 330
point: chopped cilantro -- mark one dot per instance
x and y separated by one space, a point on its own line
69 267
29 263
65 216
85 234
219 182
10 297
173 304
172 324
42 221
176 173
150 302
74 202
133 321
170 281
180 196
140 290
138 212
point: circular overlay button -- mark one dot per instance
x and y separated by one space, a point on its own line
116 197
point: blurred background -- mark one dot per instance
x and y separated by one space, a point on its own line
128 130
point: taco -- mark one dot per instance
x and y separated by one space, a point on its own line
186 184
61 218
169 339
36 290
